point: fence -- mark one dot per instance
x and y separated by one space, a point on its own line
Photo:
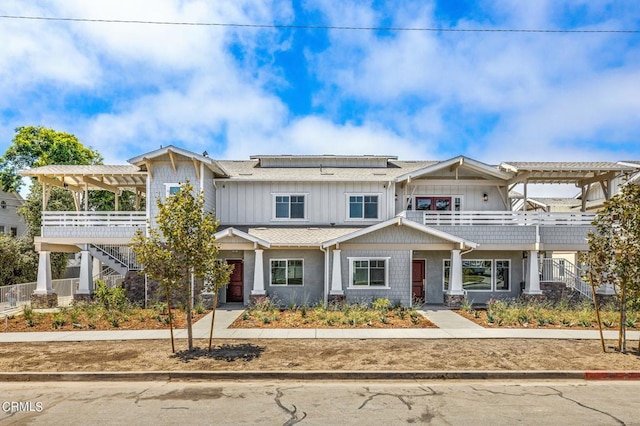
14 296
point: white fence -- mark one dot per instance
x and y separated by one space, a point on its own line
499 218
14 296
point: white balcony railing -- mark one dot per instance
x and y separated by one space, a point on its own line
499 218
91 219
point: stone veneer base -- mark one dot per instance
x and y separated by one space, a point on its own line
44 301
453 300
83 297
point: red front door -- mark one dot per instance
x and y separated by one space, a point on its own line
236 283
417 279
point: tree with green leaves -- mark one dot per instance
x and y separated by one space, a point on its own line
18 261
181 246
614 252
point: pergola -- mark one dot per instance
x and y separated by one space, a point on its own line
582 174
82 179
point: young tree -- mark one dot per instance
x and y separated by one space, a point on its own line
614 251
182 244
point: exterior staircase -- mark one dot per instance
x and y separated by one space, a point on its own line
561 270
120 258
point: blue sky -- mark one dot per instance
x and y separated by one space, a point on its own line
125 89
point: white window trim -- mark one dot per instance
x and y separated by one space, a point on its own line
287 273
495 275
168 186
351 261
362 194
288 194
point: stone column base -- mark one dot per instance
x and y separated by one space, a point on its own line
453 300
44 301
83 297
534 297
606 299
254 298
337 299
207 300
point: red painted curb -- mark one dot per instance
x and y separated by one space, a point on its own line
612 375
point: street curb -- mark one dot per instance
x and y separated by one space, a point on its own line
141 376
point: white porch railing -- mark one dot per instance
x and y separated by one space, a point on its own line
560 270
90 219
14 296
499 218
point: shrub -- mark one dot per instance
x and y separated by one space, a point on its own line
381 304
112 298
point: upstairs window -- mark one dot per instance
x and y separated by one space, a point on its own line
171 189
363 206
289 207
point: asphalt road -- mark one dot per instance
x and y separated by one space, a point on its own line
321 403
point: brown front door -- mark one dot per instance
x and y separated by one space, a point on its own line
417 279
236 283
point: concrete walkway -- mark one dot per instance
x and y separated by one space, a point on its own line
451 326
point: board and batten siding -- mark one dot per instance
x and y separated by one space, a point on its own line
252 203
163 173
472 196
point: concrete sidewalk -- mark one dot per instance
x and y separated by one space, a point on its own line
451 326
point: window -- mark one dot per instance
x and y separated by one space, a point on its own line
171 189
14 232
503 275
286 272
289 207
439 203
477 275
368 273
363 206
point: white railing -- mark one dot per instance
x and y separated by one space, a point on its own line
499 218
14 296
122 254
560 270
89 219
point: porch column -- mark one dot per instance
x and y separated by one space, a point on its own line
86 276
258 275
455 274
336 274
97 268
532 283
44 286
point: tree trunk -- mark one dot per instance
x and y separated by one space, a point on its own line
213 316
189 325
597 308
173 346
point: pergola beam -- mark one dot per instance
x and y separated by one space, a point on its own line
58 183
99 184
597 178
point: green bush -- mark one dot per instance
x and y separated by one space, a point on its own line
381 304
112 298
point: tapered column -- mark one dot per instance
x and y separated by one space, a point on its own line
44 285
532 283
336 275
258 275
455 274
86 275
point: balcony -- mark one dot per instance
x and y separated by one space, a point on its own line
80 224
499 218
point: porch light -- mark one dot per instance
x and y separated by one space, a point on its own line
485 197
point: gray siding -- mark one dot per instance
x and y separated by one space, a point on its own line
92 231
399 274
252 203
9 217
312 289
564 235
493 234
472 196
209 191
397 235
434 274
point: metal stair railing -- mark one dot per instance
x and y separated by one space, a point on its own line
568 273
121 254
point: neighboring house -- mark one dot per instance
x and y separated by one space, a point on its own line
309 228
11 223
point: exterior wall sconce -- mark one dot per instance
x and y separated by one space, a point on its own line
485 197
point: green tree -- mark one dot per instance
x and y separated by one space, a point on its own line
35 146
182 244
614 251
18 261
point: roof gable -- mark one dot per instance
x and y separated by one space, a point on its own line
171 151
455 163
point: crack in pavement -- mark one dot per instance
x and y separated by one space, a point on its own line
561 395
293 413
401 397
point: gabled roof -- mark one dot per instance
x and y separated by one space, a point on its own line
233 232
143 159
299 236
401 221
460 161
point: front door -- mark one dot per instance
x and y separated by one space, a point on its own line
417 279
236 283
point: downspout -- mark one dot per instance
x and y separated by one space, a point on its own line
326 275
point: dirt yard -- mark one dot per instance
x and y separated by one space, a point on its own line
317 354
